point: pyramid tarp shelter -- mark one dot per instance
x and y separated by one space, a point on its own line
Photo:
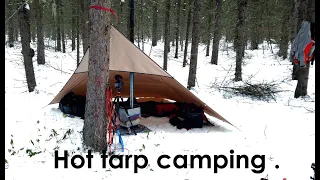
150 80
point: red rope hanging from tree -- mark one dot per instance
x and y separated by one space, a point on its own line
109 106
112 117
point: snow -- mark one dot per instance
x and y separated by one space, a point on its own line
27 6
282 130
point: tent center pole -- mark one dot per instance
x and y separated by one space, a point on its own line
131 88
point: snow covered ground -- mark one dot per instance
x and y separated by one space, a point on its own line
282 129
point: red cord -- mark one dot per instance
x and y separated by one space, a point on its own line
105 9
112 128
109 115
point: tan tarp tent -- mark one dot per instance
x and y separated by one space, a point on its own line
150 80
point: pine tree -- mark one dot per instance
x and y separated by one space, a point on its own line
28 53
95 123
194 45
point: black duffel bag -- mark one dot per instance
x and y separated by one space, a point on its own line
193 115
73 104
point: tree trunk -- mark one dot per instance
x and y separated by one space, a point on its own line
183 23
239 38
299 14
142 29
139 23
189 4
312 18
95 122
73 25
311 12
302 85
138 34
285 31
32 18
62 29
58 25
244 45
194 44
216 33
255 15
166 35
126 18
292 21
155 24
131 21
16 29
169 33
254 35
142 41
254 42
16 22
307 12
209 26
284 40
121 22
177 28
85 24
295 12
10 24
78 32
54 25
25 35
40 40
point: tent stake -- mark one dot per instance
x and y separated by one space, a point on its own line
131 88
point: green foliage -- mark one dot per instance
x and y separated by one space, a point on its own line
143 148
31 153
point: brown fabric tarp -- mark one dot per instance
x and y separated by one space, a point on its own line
150 80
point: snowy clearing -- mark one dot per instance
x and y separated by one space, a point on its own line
281 129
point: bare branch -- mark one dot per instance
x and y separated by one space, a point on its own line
56 68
